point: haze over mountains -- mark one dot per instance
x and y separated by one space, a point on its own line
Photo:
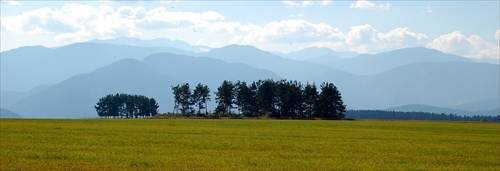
67 81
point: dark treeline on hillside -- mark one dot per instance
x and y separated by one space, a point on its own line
126 106
400 115
269 98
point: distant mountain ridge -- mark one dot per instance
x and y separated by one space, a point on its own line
4 113
153 77
67 81
367 64
159 42
285 68
436 84
440 110
310 53
25 68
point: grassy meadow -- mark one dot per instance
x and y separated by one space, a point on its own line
246 144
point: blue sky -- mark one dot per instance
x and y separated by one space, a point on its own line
467 28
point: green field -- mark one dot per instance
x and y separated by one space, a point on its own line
246 144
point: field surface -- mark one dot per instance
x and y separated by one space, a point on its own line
227 144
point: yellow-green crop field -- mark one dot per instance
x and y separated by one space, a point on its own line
247 144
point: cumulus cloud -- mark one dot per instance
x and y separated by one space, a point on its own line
366 39
305 3
497 35
75 22
459 44
214 44
291 3
287 31
228 27
163 15
364 4
80 22
326 2
362 38
11 2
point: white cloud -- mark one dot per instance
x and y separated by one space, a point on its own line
326 2
164 16
11 2
75 22
214 44
366 39
83 22
362 38
305 3
459 44
288 31
291 3
229 27
497 35
364 4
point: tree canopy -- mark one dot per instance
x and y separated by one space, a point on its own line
126 106
279 99
185 100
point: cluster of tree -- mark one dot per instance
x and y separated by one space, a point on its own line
126 106
279 99
186 100
399 115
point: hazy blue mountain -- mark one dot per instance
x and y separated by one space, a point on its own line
76 97
286 68
488 60
4 113
479 105
436 84
8 98
159 42
488 112
26 51
439 110
27 67
74 77
208 71
368 64
312 53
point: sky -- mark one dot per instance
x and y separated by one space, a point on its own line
466 28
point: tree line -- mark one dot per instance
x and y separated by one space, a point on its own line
400 115
279 99
126 106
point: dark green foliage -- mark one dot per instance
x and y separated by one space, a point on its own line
266 97
400 115
200 97
280 99
245 99
290 99
310 99
225 97
182 97
330 104
126 106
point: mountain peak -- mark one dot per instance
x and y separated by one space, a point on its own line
415 51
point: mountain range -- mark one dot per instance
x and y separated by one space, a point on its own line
4 113
67 81
440 110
